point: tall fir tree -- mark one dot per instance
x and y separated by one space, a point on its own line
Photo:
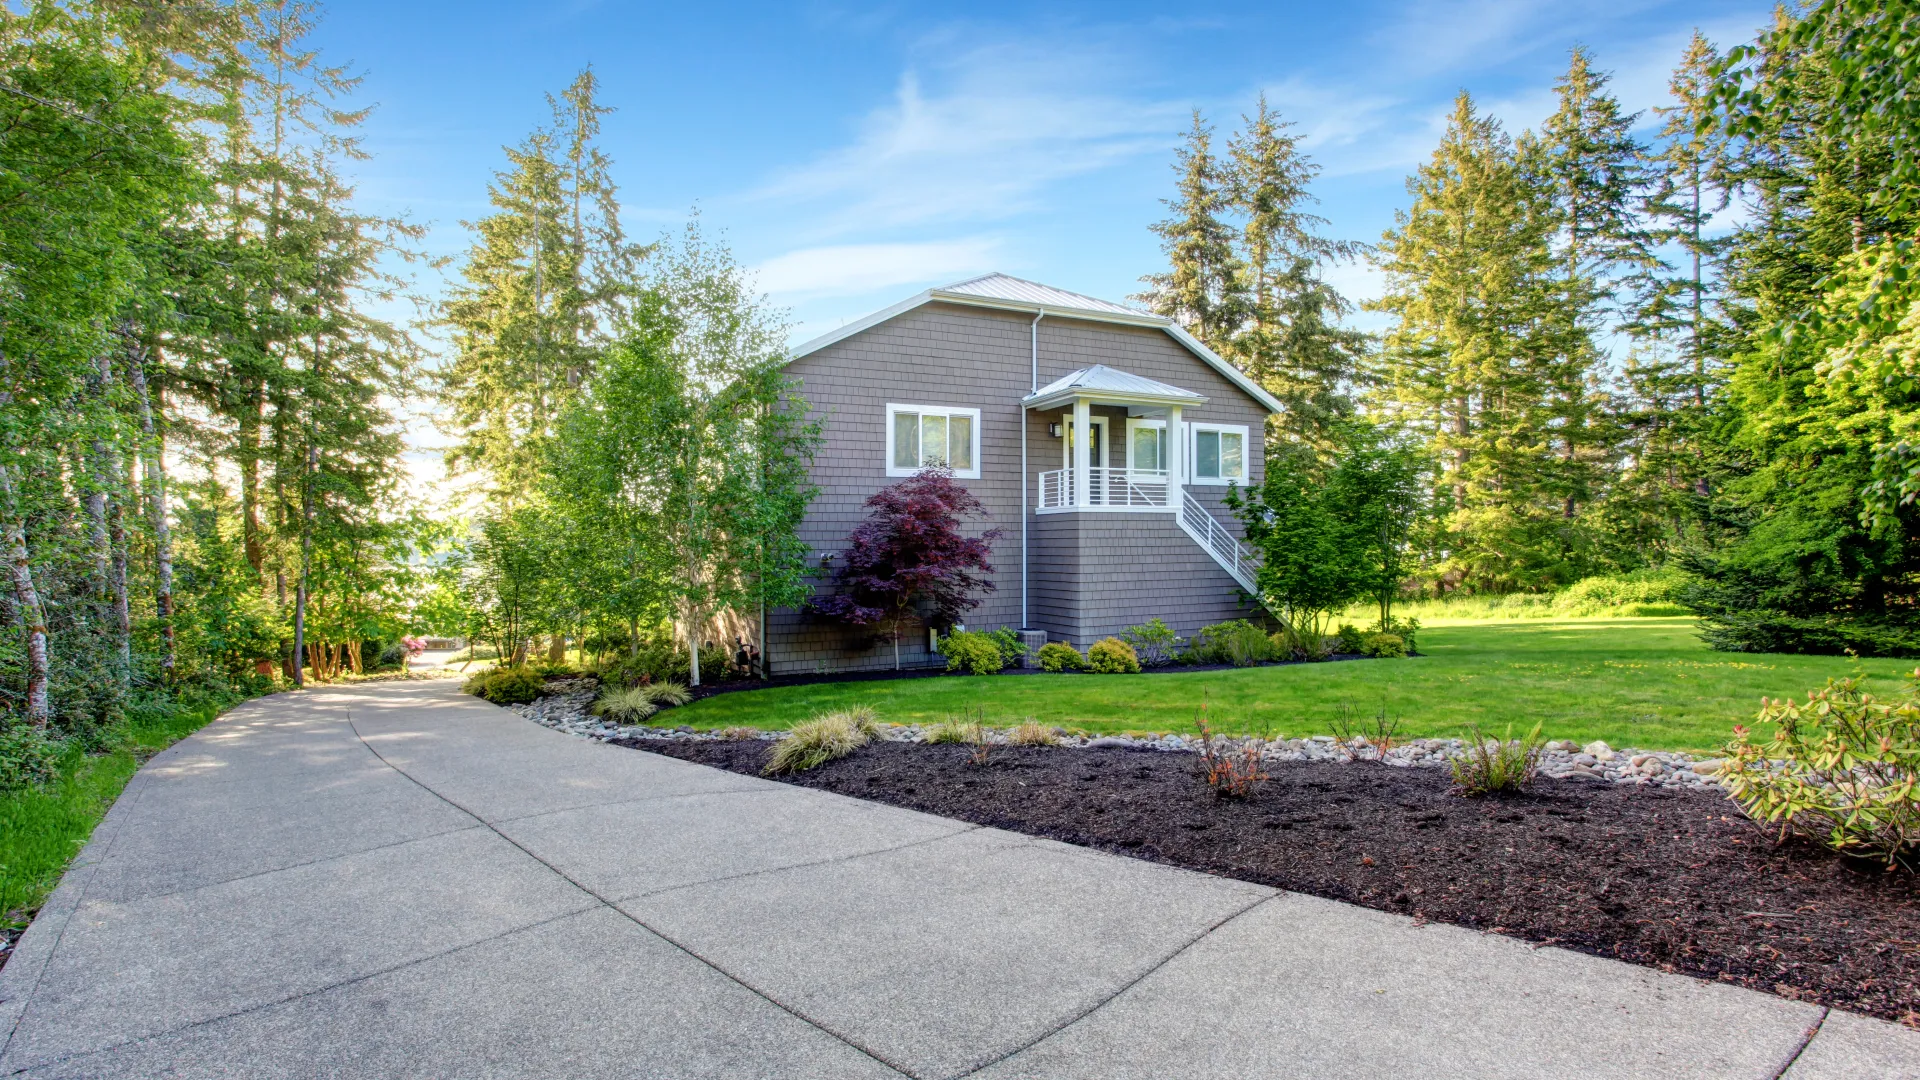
1203 288
1292 340
545 285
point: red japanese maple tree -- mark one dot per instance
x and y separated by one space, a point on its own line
909 559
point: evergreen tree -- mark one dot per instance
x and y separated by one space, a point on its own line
1292 340
1203 289
545 286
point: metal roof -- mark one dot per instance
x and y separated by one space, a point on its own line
1015 294
1103 381
1003 287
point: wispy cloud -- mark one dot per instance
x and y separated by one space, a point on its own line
980 135
853 269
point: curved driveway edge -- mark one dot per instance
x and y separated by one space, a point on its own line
397 880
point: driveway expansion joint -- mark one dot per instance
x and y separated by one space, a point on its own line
1806 1040
604 902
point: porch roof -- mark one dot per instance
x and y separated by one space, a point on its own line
1110 385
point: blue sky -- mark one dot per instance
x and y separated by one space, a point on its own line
856 153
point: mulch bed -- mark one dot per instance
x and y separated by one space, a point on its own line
1670 879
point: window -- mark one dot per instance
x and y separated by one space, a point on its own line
923 435
1146 445
1219 454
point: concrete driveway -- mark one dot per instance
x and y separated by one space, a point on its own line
396 880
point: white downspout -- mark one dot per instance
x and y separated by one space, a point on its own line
1034 338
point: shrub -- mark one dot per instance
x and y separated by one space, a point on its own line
625 705
506 686
1058 656
1842 769
27 757
1619 593
1012 650
822 739
1032 733
973 653
1232 768
1349 637
665 662
1491 765
739 734
1408 630
1154 642
1237 642
1384 645
1111 656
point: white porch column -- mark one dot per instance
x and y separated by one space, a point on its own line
1082 453
1176 458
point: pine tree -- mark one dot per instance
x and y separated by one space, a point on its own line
1292 341
1202 291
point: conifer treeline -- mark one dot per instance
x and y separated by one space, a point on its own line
197 461
1603 380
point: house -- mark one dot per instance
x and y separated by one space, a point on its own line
1102 440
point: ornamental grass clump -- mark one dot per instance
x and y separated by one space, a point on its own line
1111 656
822 739
1032 733
1843 769
1492 765
635 704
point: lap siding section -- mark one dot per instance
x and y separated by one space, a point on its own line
1128 567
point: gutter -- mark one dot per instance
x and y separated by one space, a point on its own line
1033 332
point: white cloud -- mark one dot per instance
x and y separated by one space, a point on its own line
852 269
978 136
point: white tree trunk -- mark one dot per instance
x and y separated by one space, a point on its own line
33 618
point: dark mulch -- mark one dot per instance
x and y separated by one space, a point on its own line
1670 879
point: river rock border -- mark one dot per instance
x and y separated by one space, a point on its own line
565 709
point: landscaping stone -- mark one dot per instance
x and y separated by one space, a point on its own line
566 706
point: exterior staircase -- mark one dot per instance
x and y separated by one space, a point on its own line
1236 558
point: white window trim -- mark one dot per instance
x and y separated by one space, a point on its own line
894 410
1066 444
1134 423
1193 458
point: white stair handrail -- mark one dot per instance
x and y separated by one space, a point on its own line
1234 557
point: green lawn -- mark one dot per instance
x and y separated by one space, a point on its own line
43 828
1633 682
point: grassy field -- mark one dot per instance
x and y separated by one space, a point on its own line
43 828
1633 682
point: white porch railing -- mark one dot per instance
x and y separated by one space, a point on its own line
1233 556
1107 489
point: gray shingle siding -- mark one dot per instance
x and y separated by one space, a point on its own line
1091 573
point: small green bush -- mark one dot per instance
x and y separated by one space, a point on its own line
1613 594
27 757
1408 630
1012 649
1384 645
666 663
1236 641
822 739
1350 638
950 731
1111 656
506 686
1058 656
1493 765
973 653
1154 642
666 694
1843 769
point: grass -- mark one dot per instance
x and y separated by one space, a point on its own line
1645 682
43 828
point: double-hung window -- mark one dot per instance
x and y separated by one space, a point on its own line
919 436
1219 453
